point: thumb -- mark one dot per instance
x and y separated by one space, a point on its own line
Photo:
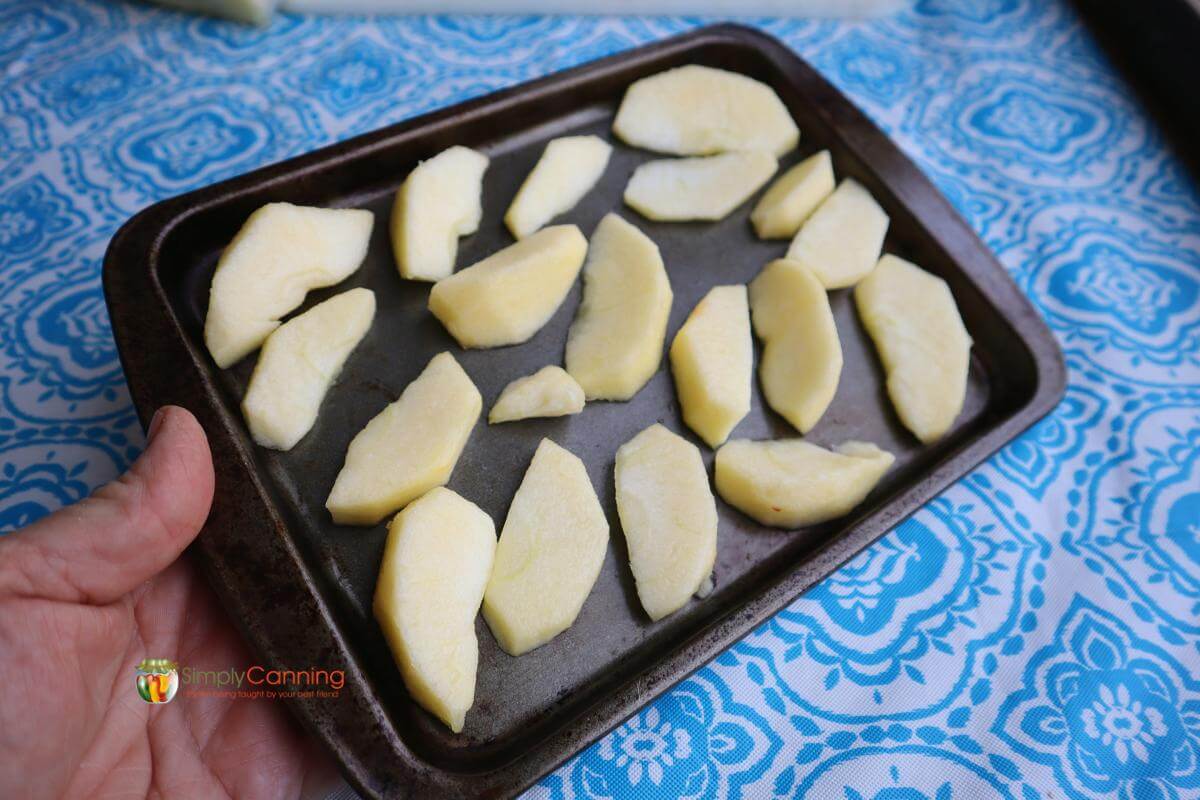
125 533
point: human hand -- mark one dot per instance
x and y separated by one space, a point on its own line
88 592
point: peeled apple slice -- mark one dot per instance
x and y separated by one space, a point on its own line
409 447
802 356
436 564
793 197
682 189
712 359
438 202
790 483
695 110
550 553
281 252
298 364
511 294
842 239
922 342
549 392
669 517
568 169
615 343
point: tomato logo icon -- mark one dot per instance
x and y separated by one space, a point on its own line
157 680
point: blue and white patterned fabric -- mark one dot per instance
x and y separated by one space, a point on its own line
1032 633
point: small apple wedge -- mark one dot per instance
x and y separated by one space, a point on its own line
280 253
507 297
802 356
922 342
549 392
712 359
409 447
568 169
708 188
841 241
669 517
793 197
695 111
550 553
789 483
298 364
436 563
438 202
615 343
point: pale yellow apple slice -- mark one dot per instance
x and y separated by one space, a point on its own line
669 517
511 294
298 364
841 241
436 564
789 483
802 356
709 188
568 169
438 202
280 253
696 110
616 341
922 342
793 197
409 447
550 553
549 392
712 359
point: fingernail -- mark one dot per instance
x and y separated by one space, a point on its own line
155 424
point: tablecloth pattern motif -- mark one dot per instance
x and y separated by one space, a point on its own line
1034 632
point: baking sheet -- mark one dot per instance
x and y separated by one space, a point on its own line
301 586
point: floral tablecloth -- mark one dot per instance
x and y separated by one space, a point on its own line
1034 632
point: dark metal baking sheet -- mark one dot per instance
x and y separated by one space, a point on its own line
300 586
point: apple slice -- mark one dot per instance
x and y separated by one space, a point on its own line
409 447
682 189
695 111
438 202
549 392
842 239
436 564
793 197
568 169
550 552
669 517
922 342
790 483
511 294
615 343
298 364
281 252
802 357
712 359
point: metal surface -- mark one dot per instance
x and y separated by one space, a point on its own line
300 586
